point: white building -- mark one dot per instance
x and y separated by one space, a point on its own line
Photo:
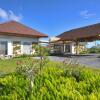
68 47
16 39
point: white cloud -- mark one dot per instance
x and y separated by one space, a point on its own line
3 14
9 15
12 16
86 14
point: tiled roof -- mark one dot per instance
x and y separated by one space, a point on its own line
87 33
14 28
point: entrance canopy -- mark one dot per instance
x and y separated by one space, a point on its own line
83 34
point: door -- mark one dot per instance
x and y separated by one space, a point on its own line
3 48
67 48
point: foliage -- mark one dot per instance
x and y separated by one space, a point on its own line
9 65
57 81
23 56
93 49
85 52
40 50
16 48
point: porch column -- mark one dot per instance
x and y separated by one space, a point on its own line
63 47
10 48
21 47
72 47
77 47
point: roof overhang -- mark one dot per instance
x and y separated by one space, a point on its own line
83 34
82 39
22 35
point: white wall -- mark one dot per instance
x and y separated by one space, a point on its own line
10 40
10 48
72 48
72 51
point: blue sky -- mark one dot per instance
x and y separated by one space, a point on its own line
51 16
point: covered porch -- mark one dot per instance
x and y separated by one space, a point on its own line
84 34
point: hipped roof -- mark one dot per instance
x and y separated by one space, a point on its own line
87 33
14 28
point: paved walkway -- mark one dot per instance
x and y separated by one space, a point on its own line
90 61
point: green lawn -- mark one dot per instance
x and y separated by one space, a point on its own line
9 65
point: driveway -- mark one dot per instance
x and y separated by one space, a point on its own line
89 60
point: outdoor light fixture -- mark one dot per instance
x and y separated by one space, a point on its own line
99 34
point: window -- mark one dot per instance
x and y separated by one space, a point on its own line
26 43
67 48
27 48
3 48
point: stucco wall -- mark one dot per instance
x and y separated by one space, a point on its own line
10 40
72 47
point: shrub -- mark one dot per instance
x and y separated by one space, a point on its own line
94 50
40 50
57 81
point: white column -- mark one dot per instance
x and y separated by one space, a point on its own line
72 48
10 48
31 49
64 47
21 47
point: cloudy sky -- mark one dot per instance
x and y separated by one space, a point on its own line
51 16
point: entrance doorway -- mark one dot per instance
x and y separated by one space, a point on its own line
67 48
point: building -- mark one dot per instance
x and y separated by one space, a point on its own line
66 47
17 39
73 41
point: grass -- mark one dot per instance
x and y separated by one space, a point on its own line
9 65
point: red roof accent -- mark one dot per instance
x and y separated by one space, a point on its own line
14 28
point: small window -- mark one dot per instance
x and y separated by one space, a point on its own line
3 47
27 48
26 43
15 43
67 48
